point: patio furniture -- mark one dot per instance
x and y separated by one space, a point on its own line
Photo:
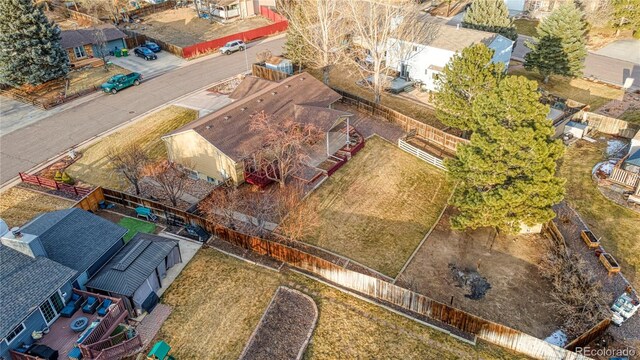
145 213
43 352
90 306
79 324
104 307
72 306
75 354
160 351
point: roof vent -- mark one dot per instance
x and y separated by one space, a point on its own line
273 93
208 127
302 78
457 26
227 117
287 86
243 109
259 100
16 232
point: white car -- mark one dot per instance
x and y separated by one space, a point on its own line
233 46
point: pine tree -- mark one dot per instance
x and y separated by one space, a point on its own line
565 24
507 171
30 51
492 16
548 58
465 77
626 15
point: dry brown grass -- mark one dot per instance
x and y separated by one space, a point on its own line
579 89
618 226
344 79
379 206
93 167
218 300
19 205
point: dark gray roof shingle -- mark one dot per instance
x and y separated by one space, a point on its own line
74 237
73 38
25 283
133 264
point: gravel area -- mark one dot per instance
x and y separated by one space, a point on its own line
570 225
285 328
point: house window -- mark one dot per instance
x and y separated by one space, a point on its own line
415 48
192 174
212 180
51 308
79 52
15 332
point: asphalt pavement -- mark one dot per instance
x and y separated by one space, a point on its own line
42 140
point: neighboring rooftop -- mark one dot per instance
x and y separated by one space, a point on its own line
457 38
133 264
80 37
634 159
228 129
26 283
74 237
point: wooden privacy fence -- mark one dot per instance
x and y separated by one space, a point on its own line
425 156
417 304
427 132
608 125
152 9
262 72
52 184
280 25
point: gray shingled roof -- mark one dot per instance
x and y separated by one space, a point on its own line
74 237
73 38
26 283
133 264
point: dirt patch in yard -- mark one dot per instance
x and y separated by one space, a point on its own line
19 205
378 207
182 27
508 264
285 328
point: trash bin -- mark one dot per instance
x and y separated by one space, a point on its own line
118 53
125 52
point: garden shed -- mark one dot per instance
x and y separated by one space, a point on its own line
578 130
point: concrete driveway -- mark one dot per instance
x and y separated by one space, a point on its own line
165 62
626 50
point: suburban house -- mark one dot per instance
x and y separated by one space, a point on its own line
218 147
423 62
632 160
538 8
89 43
229 9
45 271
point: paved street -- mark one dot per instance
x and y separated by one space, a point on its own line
29 146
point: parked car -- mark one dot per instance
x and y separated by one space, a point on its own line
233 46
121 81
145 53
152 46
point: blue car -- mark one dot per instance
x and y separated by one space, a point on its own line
152 46
145 53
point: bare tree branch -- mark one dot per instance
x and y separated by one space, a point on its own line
130 161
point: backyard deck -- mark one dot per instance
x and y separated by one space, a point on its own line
61 337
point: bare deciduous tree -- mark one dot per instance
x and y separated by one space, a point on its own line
130 161
379 27
320 25
263 55
171 177
100 43
103 7
282 152
579 300
297 219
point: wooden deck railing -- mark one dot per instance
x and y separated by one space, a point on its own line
122 349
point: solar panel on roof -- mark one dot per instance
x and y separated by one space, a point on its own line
131 256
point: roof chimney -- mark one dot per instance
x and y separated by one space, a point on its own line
27 244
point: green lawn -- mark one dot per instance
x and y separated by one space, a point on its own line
631 115
93 167
135 226
578 89
379 206
218 300
526 26
617 225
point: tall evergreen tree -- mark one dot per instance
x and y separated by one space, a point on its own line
547 58
30 51
468 75
492 16
507 172
565 24
626 15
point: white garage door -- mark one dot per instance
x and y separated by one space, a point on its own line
515 4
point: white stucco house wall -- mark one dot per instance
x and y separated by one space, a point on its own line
423 62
